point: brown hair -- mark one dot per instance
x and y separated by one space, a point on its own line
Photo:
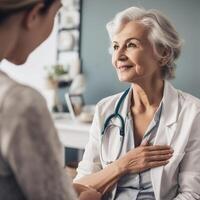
9 7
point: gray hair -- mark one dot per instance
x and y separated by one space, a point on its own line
162 34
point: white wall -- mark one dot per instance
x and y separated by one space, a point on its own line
32 72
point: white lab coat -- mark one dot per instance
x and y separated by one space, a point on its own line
179 127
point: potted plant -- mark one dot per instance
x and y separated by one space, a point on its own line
56 74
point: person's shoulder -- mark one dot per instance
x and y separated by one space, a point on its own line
185 99
108 103
22 97
189 100
26 93
110 99
14 89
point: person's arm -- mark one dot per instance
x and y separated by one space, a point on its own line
86 193
90 194
33 149
90 172
90 162
189 173
102 180
135 161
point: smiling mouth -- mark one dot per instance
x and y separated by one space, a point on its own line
124 67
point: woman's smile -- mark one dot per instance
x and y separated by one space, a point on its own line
124 67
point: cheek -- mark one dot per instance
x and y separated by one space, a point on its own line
141 63
138 57
143 58
146 65
139 70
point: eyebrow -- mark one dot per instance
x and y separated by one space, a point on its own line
128 39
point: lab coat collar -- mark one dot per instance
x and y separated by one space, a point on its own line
125 107
166 130
170 104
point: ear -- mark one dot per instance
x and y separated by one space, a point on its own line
32 17
165 56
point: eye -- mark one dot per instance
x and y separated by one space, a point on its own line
115 46
131 44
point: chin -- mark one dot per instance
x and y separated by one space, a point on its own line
126 79
21 62
17 61
130 78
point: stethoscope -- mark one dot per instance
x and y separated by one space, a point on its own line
108 124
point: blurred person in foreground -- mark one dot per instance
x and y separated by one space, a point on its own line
30 156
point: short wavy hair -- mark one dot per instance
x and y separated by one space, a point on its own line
10 7
162 34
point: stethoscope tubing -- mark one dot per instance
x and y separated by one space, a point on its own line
122 128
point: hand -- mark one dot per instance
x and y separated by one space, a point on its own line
144 157
79 188
90 194
85 192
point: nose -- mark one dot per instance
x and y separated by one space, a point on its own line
121 55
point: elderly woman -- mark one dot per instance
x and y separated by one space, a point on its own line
30 161
145 142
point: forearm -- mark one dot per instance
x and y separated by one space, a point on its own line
103 180
136 160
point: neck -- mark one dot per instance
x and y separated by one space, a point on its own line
147 96
4 44
9 33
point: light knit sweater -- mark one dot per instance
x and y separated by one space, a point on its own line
30 158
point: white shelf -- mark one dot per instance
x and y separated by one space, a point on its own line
72 133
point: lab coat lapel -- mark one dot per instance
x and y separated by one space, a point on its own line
169 115
170 112
166 130
124 107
